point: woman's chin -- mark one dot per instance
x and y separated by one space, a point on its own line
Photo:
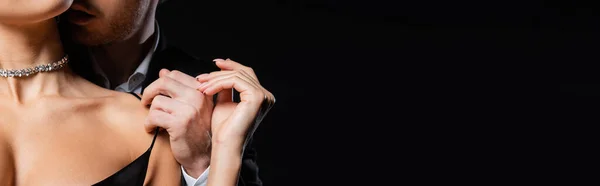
60 7
33 11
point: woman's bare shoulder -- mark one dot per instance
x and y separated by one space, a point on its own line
163 169
125 103
126 110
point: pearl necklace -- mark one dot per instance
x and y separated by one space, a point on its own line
32 70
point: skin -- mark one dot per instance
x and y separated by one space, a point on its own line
57 128
30 11
120 34
231 121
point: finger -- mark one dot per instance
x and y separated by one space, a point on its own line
224 74
251 97
207 76
229 64
158 118
164 103
227 76
180 112
164 86
184 79
224 96
248 92
248 71
163 72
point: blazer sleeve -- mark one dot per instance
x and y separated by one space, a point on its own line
249 169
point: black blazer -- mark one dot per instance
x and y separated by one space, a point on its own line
172 58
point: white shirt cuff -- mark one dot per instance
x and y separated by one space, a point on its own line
191 181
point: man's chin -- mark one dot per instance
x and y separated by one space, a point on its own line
87 39
82 36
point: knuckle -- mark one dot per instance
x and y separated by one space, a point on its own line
153 86
156 101
161 82
249 69
152 117
160 99
189 113
186 90
175 74
193 98
260 97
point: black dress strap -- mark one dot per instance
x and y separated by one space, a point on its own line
155 130
153 140
134 94
133 174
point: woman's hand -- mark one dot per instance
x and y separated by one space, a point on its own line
231 120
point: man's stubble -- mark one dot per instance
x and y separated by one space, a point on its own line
117 28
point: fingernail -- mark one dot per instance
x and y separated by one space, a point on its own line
217 60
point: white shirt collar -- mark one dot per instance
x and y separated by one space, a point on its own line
143 68
136 79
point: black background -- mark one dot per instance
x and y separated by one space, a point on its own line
348 75
316 58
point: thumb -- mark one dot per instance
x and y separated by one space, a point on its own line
242 120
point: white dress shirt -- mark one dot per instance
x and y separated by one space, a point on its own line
134 84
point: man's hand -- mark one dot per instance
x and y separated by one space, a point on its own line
232 122
185 113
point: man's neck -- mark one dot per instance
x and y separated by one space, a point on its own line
119 59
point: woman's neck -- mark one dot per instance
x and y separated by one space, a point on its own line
26 46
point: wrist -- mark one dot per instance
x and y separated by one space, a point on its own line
227 142
197 167
225 164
